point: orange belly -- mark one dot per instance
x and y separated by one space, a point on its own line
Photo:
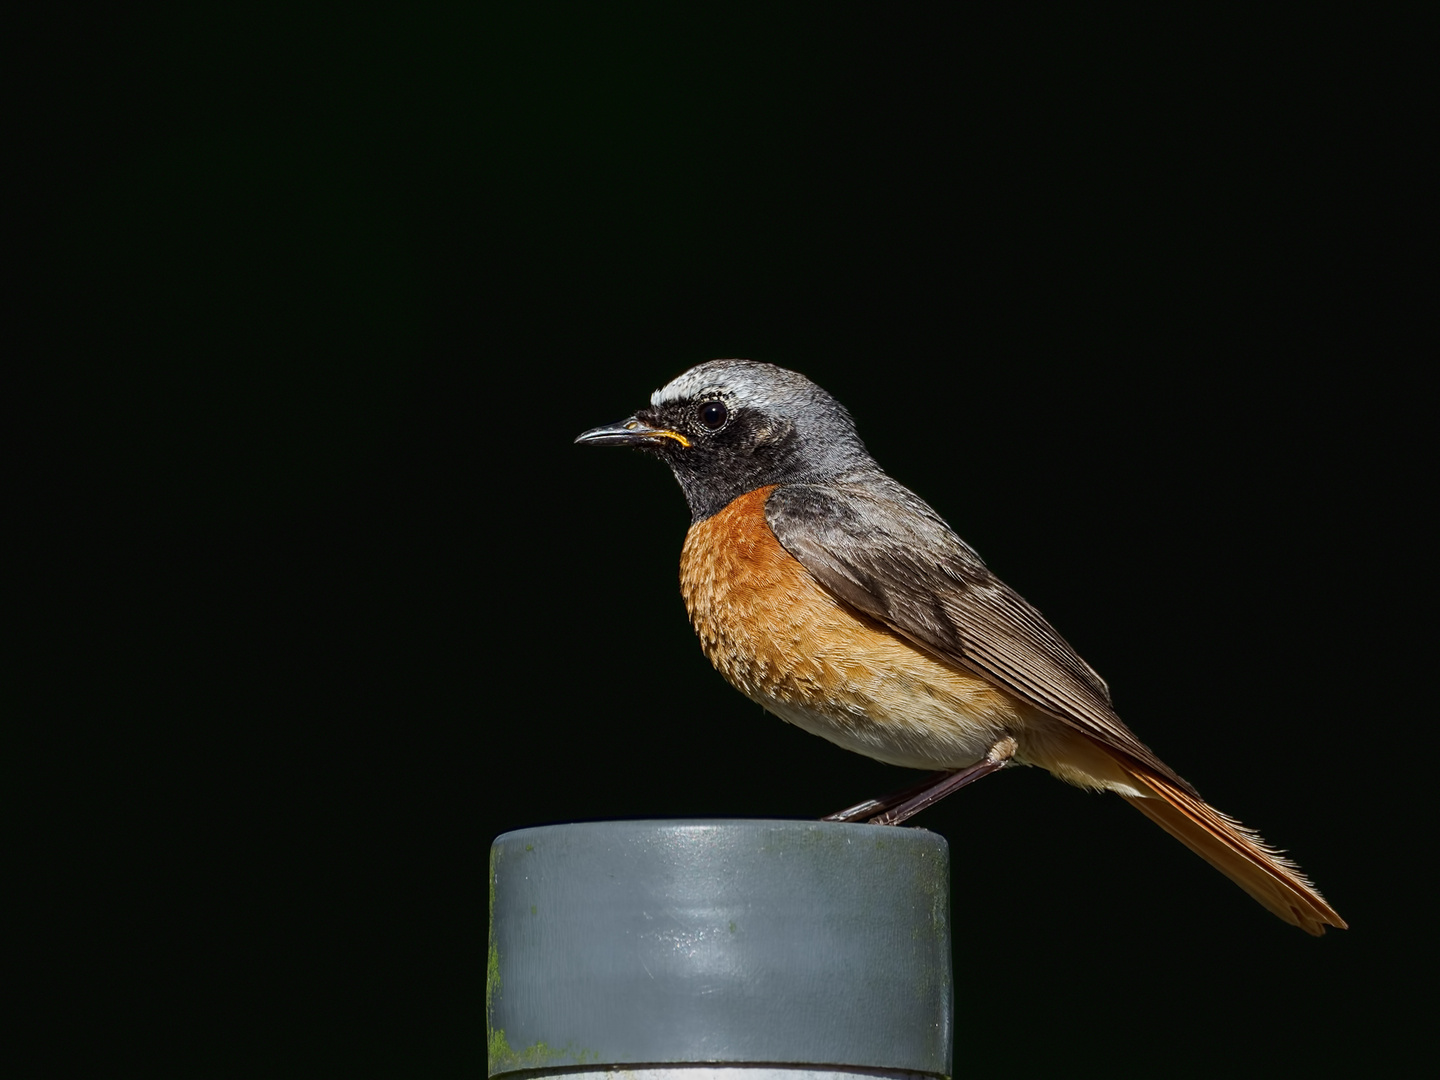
786 643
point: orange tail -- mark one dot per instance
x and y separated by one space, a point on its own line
1237 852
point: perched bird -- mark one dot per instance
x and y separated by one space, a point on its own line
840 601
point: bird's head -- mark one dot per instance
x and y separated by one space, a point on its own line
727 427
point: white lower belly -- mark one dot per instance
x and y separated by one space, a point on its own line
925 733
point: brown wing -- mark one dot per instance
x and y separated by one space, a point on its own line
881 549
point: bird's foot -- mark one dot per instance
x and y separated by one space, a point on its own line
893 809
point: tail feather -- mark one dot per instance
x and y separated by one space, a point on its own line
1237 852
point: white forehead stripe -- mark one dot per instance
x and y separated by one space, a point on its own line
692 384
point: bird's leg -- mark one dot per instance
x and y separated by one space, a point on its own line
871 807
893 809
995 759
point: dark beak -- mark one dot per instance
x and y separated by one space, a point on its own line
631 432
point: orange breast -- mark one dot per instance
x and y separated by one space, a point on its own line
784 642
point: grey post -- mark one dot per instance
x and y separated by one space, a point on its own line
721 949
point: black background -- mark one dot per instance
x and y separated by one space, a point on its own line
324 599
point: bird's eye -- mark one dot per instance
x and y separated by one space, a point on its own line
713 415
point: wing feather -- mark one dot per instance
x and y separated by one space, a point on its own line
879 548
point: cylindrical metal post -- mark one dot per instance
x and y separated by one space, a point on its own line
803 948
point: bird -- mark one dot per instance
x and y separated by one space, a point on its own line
841 602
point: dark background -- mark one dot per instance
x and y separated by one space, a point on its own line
320 598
